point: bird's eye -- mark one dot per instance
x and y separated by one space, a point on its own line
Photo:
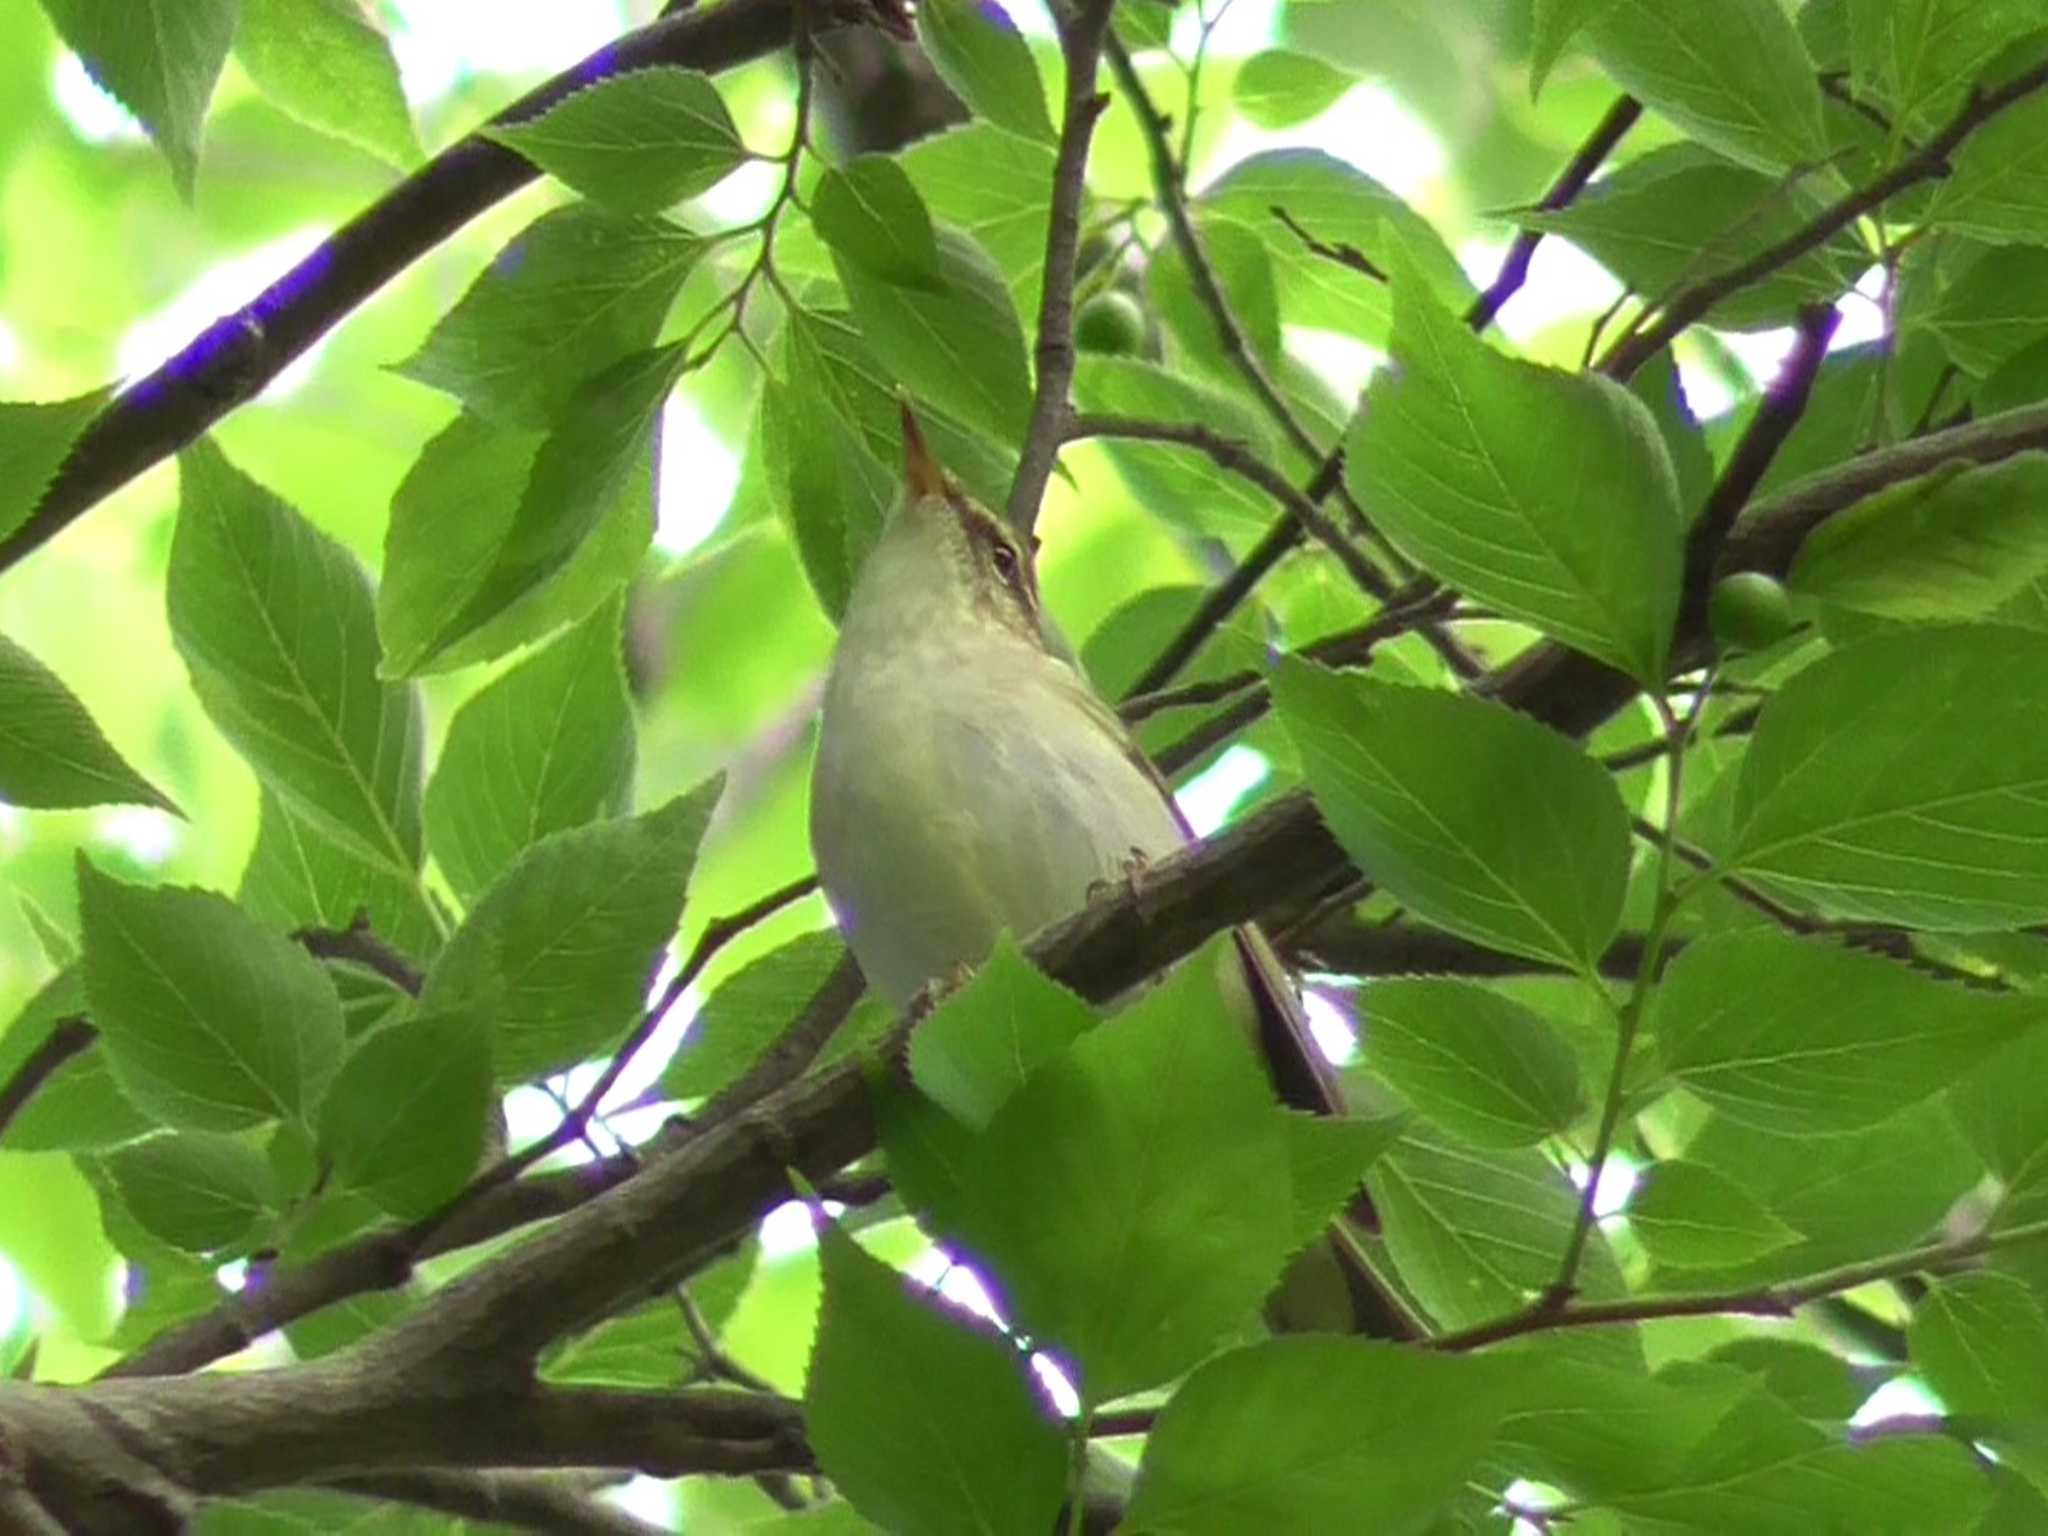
1005 561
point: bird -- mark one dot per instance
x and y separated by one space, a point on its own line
969 781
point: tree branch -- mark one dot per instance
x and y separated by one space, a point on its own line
1081 37
1578 171
232 360
1780 1300
1928 163
67 1038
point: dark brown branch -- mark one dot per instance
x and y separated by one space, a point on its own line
1222 600
1081 35
1232 455
1349 257
1571 181
1928 163
234 358
1780 1300
358 942
67 1038
1783 403
1344 944
1414 607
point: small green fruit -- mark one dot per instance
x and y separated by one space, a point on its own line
1750 611
1110 322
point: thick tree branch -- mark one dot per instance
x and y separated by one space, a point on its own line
1928 163
1081 35
234 358
1770 533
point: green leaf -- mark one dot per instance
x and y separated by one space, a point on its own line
637 141
1476 818
1243 268
52 753
1545 494
1553 25
404 1120
870 212
1900 781
210 1021
1997 1106
1982 1343
1994 309
1733 75
298 877
1848 1196
1477 1234
1997 187
748 1012
1814 1383
1170 480
196 1190
545 746
1484 1067
568 296
979 52
159 59
1686 1216
589 464
836 495
1132 1200
35 438
454 511
1764 1470
1279 88
995 187
1681 213
982 1042
923 1416
1339 205
276 625
959 341
1813 1038
1956 543
322 63
80 1107
1918 59
1318 1434
557 954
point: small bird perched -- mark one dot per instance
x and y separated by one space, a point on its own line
969 780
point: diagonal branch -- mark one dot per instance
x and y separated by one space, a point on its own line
232 360
1514 267
1928 163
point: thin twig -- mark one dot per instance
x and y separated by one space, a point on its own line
1929 163
576 1121
1166 187
1780 1300
1232 455
1081 37
1571 181
1222 600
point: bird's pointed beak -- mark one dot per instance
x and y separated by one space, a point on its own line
921 471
